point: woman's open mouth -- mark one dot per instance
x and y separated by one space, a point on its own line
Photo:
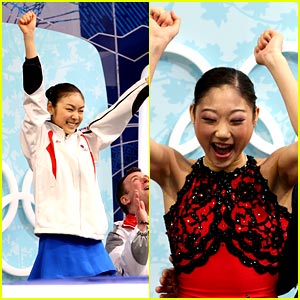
222 150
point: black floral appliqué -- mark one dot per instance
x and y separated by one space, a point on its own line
235 208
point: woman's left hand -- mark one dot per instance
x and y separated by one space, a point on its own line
269 44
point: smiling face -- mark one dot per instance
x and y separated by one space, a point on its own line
223 122
68 112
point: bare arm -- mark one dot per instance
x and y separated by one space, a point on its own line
281 167
288 165
164 26
160 162
281 170
27 24
268 52
167 166
169 169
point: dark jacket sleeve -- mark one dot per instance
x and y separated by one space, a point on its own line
32 75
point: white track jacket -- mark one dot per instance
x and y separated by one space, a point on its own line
66 192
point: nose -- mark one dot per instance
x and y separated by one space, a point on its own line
222 130
75 115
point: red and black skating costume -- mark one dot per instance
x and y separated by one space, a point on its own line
226 233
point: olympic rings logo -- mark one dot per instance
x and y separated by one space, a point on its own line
184 120
12 200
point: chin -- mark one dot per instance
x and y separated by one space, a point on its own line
221 163
69 131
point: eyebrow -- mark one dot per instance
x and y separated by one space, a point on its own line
73 106
215 111
137 176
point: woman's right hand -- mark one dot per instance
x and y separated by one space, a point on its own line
164 25
27 22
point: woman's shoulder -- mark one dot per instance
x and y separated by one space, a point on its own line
191 161
268 166
270 160
280 181
270 163
260 161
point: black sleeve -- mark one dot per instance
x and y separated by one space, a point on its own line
32 75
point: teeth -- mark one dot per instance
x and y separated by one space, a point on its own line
71 124
222 146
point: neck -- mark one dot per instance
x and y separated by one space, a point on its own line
238 163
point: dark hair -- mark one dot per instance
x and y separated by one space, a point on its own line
121 189
220 76
54 93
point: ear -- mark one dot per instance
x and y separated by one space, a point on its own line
192 113
125 200
50 107
256 115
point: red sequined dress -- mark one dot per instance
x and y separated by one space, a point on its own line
226 233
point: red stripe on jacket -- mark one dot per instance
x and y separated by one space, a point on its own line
50 149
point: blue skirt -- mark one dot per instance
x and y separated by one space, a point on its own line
61 256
